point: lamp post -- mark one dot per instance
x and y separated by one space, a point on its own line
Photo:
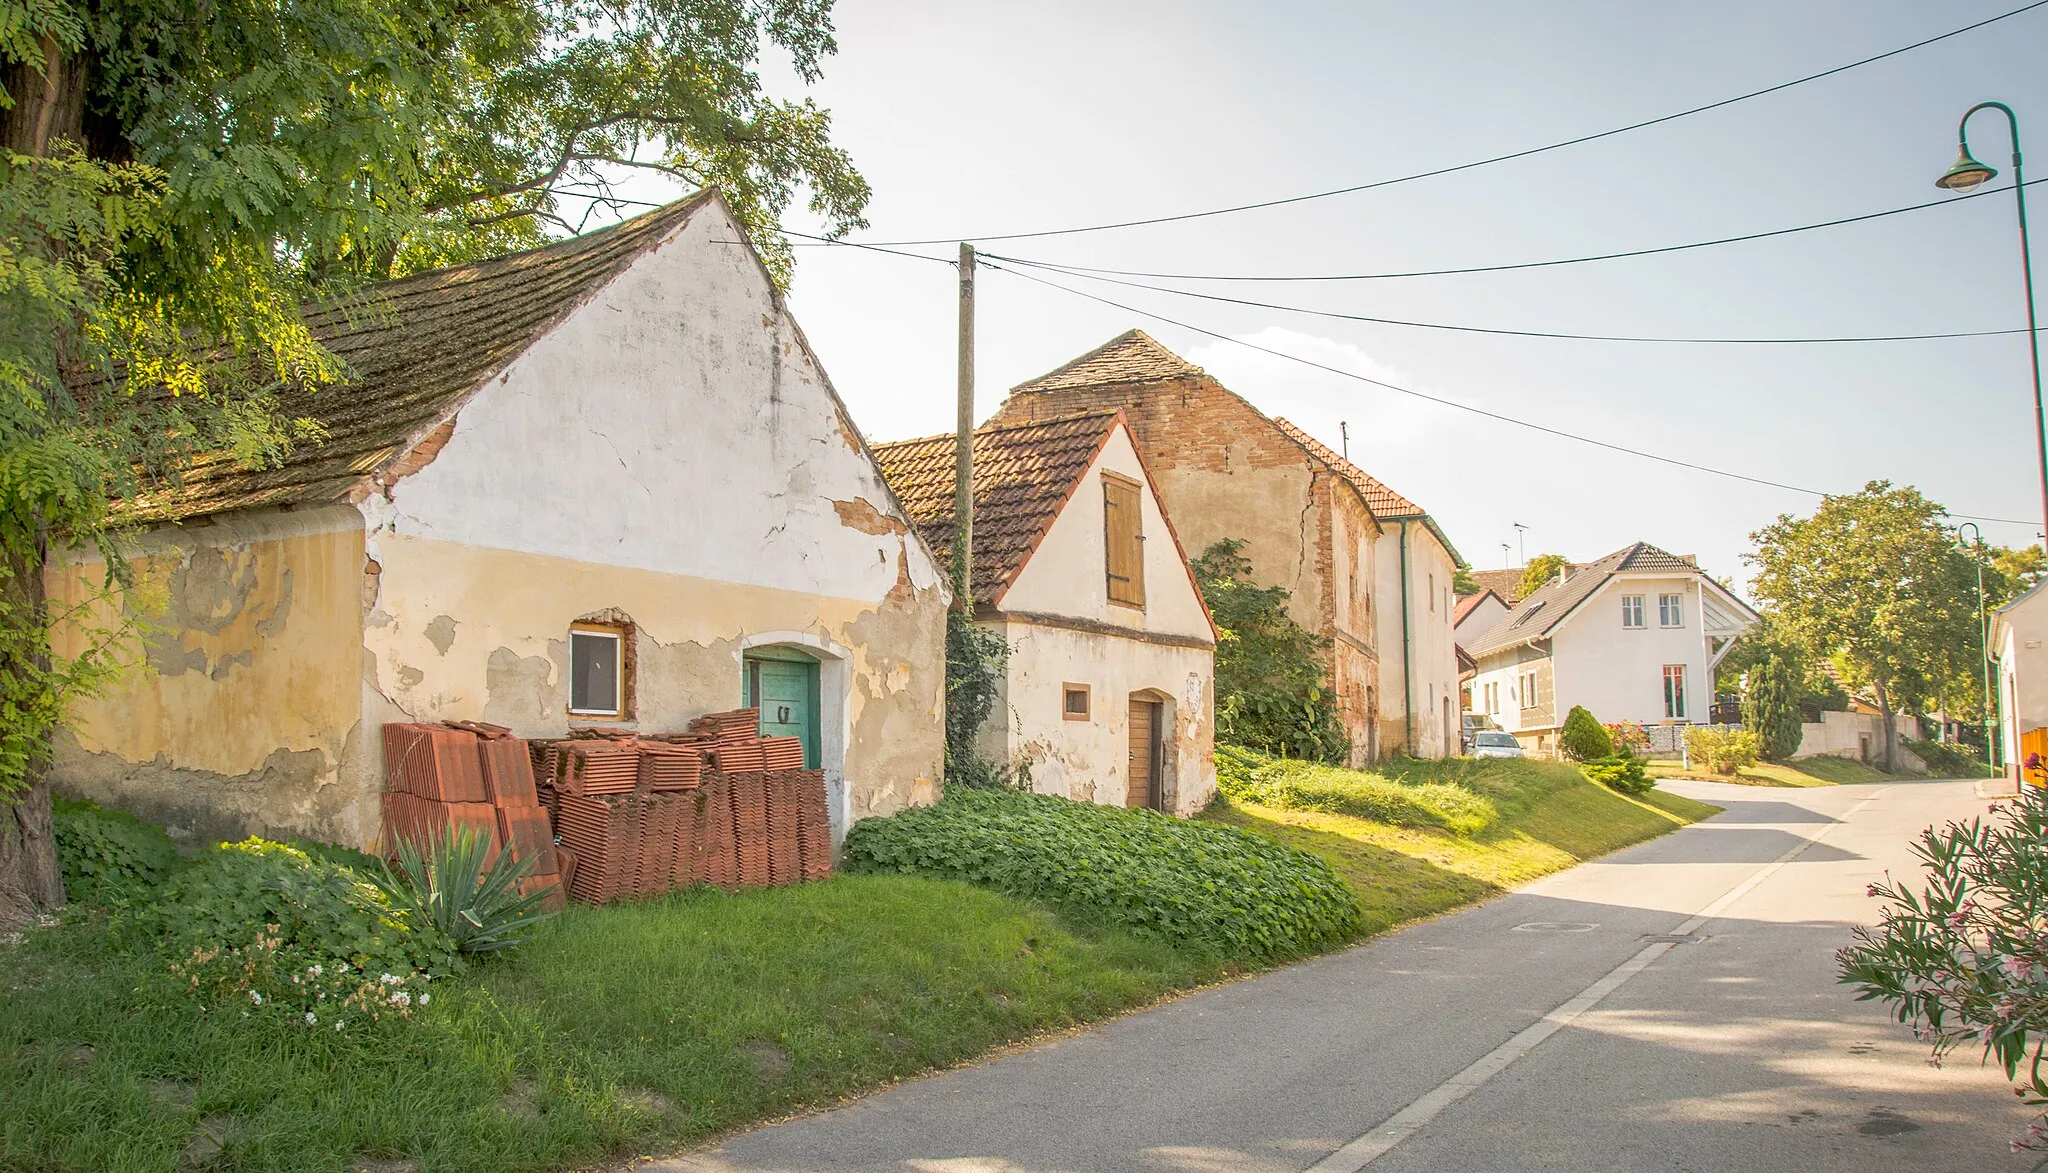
1967 175
1983 639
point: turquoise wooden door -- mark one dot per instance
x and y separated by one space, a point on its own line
786 692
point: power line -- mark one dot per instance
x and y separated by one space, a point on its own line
1298 309
1452 403
1085 270
1522 154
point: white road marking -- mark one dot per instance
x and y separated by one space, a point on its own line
1410 1120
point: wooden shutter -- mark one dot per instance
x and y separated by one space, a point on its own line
1123 524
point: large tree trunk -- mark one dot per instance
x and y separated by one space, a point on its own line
49 106
1891 745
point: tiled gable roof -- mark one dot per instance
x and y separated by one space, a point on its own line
1505 583
415 347
1131 357
1540 612
1385 503
1023 475
1466 604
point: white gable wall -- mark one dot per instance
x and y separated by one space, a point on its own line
1617 673
1480 621
1429 654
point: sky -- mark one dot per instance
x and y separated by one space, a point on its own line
973 120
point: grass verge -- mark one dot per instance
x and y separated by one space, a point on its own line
1550 819
628 1029
1819 771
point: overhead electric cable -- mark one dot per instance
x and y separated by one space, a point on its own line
1521 154
1085 270
1451 403
1697 341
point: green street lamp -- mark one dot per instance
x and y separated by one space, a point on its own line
1967 175
1983 639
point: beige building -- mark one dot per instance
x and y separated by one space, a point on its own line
1225 470
1108 693
1416 566
603 482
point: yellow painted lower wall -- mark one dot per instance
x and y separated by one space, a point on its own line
243 713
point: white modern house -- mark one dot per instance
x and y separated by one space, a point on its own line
1108 692
1635 636
2019 638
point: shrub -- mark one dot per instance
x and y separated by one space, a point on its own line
1949 761
240 893
1770 708
1723 751
445 884
1271 686
1622 771
1310 786
1629 737
1583 737
1963 959
109 857
1240 895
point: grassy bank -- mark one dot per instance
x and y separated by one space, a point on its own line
1820 771
622 1030
1549 818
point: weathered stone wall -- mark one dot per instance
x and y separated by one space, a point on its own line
242 715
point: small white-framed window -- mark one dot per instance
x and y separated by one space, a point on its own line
1671 610
1631 610
597 670
1528 690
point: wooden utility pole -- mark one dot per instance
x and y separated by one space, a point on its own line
963 442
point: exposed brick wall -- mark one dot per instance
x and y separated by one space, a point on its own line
1224 470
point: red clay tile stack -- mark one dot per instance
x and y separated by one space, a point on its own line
720 851
780 789
469 774
813 826
603 831
782 753
591 766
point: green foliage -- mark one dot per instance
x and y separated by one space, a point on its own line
1462 582
1583 737
1621 771
110 857
2010 573
1950 760
1272 691
240 893
1723 751
1240 895
1963 959
975 657
1312 786
1875 584
1770 709
445 883
1541 569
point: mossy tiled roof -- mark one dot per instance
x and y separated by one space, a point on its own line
1131 357
415 349
1023 475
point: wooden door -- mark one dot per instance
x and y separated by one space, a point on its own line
1144 768
786 692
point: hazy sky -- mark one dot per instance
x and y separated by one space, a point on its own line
974 119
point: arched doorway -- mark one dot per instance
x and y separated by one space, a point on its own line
810 676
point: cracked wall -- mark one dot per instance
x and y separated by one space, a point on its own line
243 716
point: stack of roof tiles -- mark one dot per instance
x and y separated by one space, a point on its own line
640 814
440 777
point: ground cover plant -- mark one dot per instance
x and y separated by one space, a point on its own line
1550 817
1311 786
1240 897
109 856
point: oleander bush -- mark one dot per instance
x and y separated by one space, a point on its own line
109 857
1241 896
1311 786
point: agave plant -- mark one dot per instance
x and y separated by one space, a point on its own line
444 882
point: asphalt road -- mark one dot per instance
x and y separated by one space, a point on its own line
1547 1029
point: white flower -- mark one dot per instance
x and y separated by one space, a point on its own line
337 1026
401 998
255 997
426 998
310 1020
315 970
390 979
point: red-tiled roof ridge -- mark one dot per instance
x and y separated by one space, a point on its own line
1539 612
1466 603
1131 357
1385 503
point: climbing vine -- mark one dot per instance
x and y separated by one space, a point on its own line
975 658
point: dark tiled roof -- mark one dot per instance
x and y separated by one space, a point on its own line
415 348
1131 357
1023 475
1385 503
1537 615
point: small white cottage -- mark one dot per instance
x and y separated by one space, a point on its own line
603 483
1109 691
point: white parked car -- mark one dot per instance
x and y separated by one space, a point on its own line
1492 743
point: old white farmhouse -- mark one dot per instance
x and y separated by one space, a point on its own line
1108 694
604 482
1634 636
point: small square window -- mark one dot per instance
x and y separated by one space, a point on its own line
597 671
1074 702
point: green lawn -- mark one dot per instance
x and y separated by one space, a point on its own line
630 1029
1820 771
1551 818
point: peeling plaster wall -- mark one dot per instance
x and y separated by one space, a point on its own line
671 452
1090 760
244 717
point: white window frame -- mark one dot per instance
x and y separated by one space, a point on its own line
1527 689
1674 712
618 639
1671 610
1632 612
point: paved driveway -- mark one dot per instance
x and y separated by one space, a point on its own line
1553 1028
